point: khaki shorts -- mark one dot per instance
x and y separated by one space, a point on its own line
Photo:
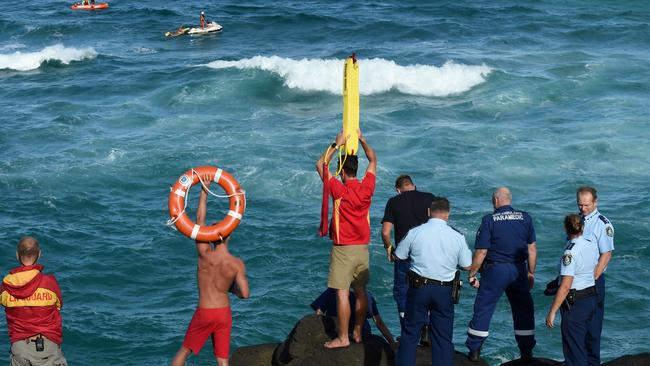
25 354
348 267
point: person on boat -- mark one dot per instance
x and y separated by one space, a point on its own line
202 20
218 273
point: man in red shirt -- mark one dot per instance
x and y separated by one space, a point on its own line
32 302
350 232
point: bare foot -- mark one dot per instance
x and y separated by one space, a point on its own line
337 343
356 337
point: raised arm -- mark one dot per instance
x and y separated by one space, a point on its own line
327 155
203 200
370 154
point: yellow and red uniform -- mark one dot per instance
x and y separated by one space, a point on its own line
350 224
32 302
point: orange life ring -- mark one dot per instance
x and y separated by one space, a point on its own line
219 230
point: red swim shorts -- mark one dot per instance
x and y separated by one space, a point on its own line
205 322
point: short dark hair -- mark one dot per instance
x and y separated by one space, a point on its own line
28 247
350 165
587 189
573 224
440 204
403 180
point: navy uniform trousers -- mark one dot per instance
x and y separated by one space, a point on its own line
400 285
436 300
576 323
596 327
497 278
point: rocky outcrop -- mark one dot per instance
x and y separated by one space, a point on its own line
258 355
304 347
642 359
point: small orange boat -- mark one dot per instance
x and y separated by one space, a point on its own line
99 6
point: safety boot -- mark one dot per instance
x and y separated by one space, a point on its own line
475 355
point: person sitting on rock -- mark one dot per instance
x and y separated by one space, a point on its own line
325 304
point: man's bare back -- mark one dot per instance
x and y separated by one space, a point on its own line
216 272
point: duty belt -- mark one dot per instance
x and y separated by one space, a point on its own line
585 293
414 277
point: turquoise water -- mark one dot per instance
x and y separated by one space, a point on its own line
100 114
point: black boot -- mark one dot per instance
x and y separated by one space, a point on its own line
424 337
475 355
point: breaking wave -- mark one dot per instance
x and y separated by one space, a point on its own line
25 61
377 75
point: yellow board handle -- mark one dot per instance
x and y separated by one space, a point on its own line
351 105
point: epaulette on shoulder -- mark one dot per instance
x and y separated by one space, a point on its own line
570 246
603 219
456 230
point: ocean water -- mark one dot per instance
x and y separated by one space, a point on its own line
99 114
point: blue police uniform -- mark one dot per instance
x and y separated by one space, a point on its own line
434 250
579 261
600 231
505 234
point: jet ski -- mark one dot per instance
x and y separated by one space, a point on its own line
211 27
178 32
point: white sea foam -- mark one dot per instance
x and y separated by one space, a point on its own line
376 75
25 61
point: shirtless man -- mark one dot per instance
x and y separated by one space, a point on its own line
218 273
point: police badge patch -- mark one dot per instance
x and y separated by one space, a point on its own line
566 259
609 231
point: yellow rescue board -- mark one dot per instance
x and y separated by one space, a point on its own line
351 104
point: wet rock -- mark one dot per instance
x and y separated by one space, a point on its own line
423 358
533 362
304 346
258 355
642 359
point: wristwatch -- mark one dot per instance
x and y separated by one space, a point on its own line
334 146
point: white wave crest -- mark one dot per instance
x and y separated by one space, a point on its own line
376 75
25 61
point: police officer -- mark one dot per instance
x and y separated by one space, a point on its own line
576 295
600 231
408 209
506 256
435 250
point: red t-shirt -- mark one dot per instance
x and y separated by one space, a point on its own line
350 222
